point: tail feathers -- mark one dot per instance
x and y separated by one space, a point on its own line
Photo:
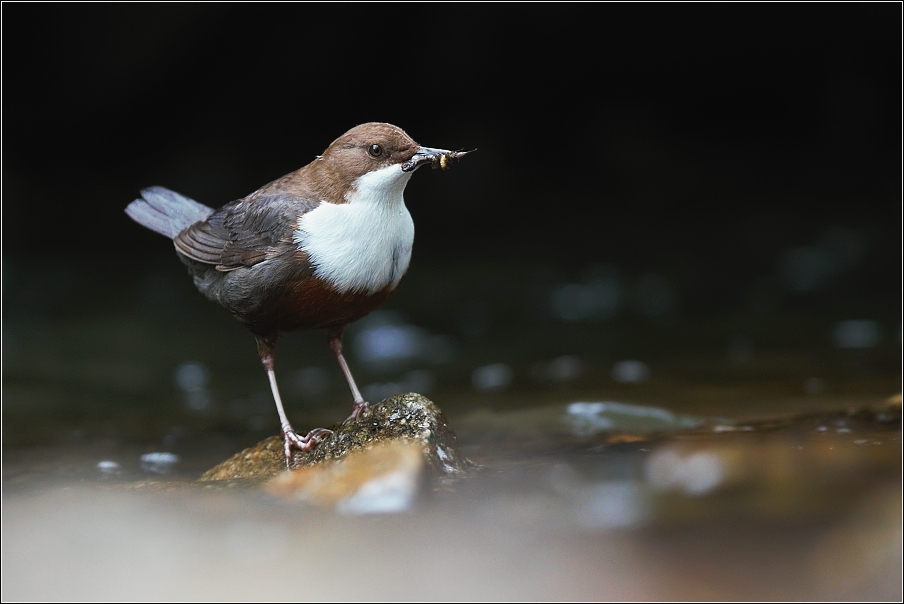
165 211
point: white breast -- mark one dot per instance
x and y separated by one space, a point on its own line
365 244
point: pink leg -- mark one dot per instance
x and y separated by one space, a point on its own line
334 338
290 436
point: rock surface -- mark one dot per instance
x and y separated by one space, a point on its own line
403 417
378 479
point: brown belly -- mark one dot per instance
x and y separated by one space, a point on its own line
312 303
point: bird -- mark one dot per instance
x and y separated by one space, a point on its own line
318 248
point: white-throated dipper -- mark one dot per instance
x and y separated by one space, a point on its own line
318 248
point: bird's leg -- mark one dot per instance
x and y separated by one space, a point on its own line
265 348
334 338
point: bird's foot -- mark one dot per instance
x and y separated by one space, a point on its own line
357 412
302 443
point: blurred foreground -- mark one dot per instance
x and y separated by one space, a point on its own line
806 509
629 448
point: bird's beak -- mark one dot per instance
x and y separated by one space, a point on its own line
439 158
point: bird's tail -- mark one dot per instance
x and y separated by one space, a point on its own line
165 211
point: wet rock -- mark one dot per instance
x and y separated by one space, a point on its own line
381 478
260 462
405 417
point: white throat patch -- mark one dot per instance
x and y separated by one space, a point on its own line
362 245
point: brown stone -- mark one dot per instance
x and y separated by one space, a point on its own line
407 417
383 477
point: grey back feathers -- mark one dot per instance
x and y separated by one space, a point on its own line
244 232
165 211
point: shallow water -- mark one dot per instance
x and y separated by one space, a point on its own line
807 508
712 457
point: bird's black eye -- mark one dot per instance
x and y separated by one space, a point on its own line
375 150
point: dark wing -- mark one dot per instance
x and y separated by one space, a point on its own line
244 232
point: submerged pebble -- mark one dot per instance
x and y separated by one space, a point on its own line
108 466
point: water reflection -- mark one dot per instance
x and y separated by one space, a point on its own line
694 474
384 341
588 418
159 462
612 505
630 372
192 379
492 378
107 466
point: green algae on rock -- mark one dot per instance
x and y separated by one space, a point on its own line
403 416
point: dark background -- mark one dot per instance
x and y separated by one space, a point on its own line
637 134
735 168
